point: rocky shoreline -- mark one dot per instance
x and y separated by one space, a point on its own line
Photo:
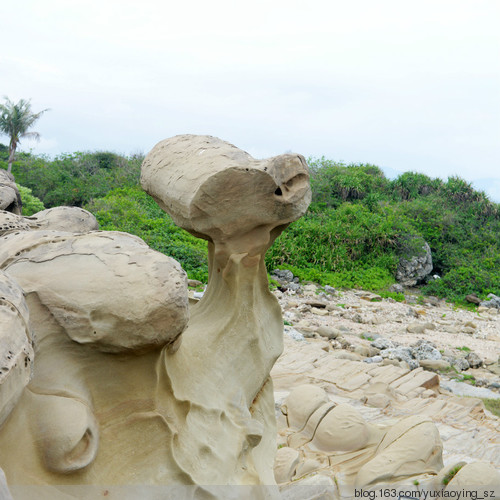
388 360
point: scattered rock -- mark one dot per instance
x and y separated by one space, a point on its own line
473 299
315 303
493 302
435 365
320 312
415 328
426 351
382 343
293 334
460 364
328 332
396 288
194 283
371 297
374 359
474 360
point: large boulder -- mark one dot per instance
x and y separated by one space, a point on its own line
415 262
10 199
72 219
108 289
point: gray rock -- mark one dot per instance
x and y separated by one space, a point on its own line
460 364
463 389
295 287
283 274
494 301
382 343
399 353
416 262
426 351
374 359
329 289
413 364
396 288
293 334
474 360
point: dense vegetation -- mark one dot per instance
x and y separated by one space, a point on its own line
358 227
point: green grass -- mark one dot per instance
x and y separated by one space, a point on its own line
492 405
451 474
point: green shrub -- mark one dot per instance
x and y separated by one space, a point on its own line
31 204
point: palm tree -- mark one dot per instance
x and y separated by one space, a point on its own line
15 120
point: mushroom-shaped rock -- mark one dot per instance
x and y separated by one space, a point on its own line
10 199
16 345
72 219
106 289
217 191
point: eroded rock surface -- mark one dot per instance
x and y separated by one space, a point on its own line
194 409
10 199
16 345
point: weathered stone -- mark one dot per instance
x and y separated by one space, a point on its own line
319 312
181 408
460 364
474 475
426 351
90 284
411 447
415 328
10 199
382 343
71 219
341 429
12 222
474 299
474 360
435 365
328 332
301 403
412 269
285 463
374 359
492 302
16 345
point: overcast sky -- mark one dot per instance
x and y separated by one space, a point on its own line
403 84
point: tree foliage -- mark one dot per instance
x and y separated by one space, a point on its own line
15 121
358 227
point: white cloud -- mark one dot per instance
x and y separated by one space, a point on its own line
406 85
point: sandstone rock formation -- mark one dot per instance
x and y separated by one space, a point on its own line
118 395
10 199
16 345
72 219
